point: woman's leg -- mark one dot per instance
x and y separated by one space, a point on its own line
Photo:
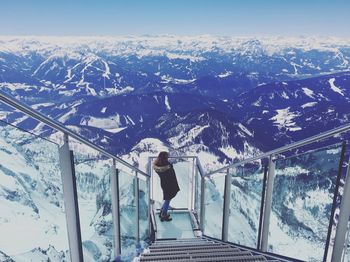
165 207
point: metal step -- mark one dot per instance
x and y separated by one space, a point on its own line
244 258
182 240
179 245
196 251
209 247
212 255
221 259
169 242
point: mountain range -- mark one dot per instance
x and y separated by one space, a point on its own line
221 98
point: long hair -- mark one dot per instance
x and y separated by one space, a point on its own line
162 159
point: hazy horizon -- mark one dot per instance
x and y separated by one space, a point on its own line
250 18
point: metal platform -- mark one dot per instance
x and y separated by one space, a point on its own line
181 225
197 249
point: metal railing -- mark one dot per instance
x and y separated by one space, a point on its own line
344 212
66 157
70 188
291 146
60 127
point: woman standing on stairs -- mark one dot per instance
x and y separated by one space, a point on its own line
168 182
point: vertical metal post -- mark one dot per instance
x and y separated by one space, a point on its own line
71 201
196 188
268 204
115 208
344 214
152 179
148 185
190 189
137 203
226 211
202 222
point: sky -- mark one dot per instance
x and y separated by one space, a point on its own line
178 17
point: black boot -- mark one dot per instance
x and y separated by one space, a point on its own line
165 217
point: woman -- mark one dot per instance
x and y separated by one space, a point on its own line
168 182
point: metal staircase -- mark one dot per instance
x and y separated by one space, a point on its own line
199 249
191 236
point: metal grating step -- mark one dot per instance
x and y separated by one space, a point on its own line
228 259
244 258
213 255
196 251
170 248
180 242
178 245
160 241
209 247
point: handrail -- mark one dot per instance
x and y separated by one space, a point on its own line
282 149
199 166
60 127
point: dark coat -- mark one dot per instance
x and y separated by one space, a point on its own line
168 180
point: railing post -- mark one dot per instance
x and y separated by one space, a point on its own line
344 214
151 181
190 189
196 188
115 208
226 211
202 222
71 201
268 204
137 203
148 185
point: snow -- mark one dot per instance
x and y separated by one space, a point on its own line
284 95
175 45
295 67
166 101
308 92
107 70
109 123
17 86
30 174
182 139
129 120
283 119
334 87
115 130
229 151
185 57
225 74
310 104
257 102
67 115
169 79
119 91
37 106
245 130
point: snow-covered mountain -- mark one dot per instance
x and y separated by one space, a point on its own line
222 67
293 110
220 98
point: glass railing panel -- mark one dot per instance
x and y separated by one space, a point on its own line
32 212
127 207
346 254
144 212
245 204
214 203
93 182
183 169
302 202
